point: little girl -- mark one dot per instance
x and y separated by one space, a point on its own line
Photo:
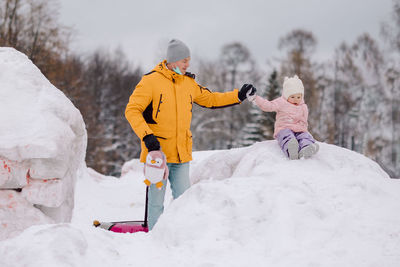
291 119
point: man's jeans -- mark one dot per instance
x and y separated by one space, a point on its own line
180 182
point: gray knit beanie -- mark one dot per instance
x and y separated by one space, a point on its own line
176 51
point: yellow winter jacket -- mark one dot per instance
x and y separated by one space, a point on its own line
161 104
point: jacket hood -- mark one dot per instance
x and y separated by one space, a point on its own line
169 74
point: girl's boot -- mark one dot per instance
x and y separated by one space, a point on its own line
293 149
308 151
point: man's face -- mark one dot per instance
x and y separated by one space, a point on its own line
182 64
295 99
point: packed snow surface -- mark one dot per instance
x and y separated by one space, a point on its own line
42 147
247 207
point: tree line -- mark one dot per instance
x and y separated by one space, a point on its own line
99 84
353 97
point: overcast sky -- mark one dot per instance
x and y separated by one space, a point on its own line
140 28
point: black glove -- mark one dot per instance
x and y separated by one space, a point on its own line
245 89
151 142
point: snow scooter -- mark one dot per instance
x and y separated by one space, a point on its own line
155 171
126 226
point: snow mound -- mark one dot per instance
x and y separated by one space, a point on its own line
61 244
42 145
247 207
252 206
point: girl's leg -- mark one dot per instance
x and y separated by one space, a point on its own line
304 139
288 143
307 145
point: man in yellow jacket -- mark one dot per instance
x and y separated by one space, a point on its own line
160 112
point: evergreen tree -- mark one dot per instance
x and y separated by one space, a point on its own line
260 124
272 92
253 130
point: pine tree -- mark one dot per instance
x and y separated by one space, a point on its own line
253 130
260 125
272 92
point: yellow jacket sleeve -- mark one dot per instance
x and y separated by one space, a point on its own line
138 102
205 98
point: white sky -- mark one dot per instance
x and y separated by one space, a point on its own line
141 28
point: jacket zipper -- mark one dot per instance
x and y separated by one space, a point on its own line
177 124
191 103
159 103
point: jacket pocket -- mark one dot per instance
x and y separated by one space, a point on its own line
158 107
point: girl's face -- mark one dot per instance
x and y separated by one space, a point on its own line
295 99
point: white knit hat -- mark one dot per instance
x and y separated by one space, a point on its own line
292 86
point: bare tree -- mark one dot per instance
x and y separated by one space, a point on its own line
221 129
236 56
300 45
108 81
11 23
31 27
391 32
361 100
209 127
236 66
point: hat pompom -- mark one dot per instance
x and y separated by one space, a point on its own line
291 86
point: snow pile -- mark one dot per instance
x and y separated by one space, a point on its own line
247 207
42 147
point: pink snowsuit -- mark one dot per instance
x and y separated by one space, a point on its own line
288 116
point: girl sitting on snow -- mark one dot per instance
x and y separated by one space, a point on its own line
291 119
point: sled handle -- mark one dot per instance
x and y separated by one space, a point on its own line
145 209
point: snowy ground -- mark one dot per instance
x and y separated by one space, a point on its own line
247 207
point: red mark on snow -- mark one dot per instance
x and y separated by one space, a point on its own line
51 179
6 167
11 205
28 176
